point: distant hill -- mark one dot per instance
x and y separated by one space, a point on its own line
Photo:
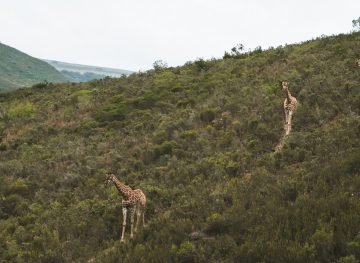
18 69
81 73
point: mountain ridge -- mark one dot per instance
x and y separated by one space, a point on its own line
18 69
81 72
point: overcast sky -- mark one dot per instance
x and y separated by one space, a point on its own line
133 34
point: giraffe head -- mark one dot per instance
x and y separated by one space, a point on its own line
285 85
109 178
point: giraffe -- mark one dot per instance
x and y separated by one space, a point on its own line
358 62
290 105
133 200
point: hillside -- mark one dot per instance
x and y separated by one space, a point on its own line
18 69
81 73
199 141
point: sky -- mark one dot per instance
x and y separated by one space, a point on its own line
133 34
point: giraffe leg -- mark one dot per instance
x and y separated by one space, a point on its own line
132 215
143 215
286 122
138 214
124 210
289 121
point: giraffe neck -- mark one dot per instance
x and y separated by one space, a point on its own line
121 187
288 95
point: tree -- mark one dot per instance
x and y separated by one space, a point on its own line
235 52
160 65
356 24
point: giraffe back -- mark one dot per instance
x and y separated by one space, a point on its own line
140 197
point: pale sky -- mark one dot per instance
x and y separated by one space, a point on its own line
133 34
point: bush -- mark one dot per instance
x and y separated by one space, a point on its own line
115 111
353 247
324 245
167 147
216 224
348 259
22 110
207 116
187 252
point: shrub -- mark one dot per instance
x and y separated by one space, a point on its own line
324 244
166 147
207 116
347 259
187 252
22 110
353 247
114 111
215 224
19 187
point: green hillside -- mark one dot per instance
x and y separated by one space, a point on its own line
18 69
199 141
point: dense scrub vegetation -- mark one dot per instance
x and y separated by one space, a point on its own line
199 140
18 69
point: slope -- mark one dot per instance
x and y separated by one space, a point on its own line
199 141
18 69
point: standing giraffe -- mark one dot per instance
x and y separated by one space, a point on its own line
133 200
290 105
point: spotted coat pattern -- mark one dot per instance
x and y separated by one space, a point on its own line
133 200
290 105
